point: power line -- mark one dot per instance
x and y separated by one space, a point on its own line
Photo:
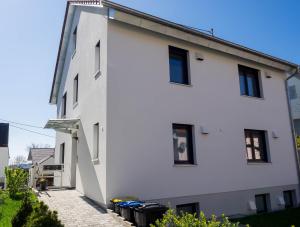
17 123
42 134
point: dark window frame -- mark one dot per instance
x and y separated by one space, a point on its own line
262 148
96 142
64 105
75 38
246 72
190 144
98 56
182 54
290 194
265 203
195 207
75 89
62 153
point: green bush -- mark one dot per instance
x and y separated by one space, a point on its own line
16 181
23 213
42 216
170 219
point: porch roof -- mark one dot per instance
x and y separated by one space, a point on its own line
63 125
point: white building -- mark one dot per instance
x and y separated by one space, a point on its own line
39 158
156 110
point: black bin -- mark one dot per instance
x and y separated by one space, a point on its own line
148 214
127 210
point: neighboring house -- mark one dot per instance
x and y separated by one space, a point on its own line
4 151
40 157
294 95
156 110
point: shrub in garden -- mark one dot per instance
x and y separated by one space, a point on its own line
16 181
170 219
23 213
42 216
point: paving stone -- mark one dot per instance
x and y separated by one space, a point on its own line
74 210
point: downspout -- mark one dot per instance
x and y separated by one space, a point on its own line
296 72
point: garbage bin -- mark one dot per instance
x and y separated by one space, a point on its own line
148 213
115 201
127 209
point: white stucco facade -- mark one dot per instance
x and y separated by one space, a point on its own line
135 106
4 159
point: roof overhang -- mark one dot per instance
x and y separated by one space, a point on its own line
117 12
155 24
63 125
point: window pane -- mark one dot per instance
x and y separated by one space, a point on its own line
257 154
249 81
187 208
261 203
242 85
178 65
249 153
182 142
288 198
255 144
97 57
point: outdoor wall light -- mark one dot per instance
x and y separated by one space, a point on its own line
199 57
268 75
204 130
275 135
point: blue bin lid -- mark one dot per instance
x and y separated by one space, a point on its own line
130 204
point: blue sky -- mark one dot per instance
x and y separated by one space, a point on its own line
30 32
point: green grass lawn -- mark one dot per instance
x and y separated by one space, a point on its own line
285 218
8 208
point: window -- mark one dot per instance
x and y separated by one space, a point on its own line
190 208
75 90
96 142
178 60
75 38
292 92
288 198
256 146
62 153
261 203
97 57
183 144
64 105
249 81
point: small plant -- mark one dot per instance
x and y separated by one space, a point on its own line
42 216
16 181
23 213
170 219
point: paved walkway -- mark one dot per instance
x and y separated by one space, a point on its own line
75 210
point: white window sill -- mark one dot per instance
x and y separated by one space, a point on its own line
97 74
185 165
73 55
258 163
75 105
184 85
253 97
95 161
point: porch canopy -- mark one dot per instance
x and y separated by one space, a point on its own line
63 125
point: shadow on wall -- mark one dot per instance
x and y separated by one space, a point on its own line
88 177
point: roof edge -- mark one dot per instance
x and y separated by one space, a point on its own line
159 20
